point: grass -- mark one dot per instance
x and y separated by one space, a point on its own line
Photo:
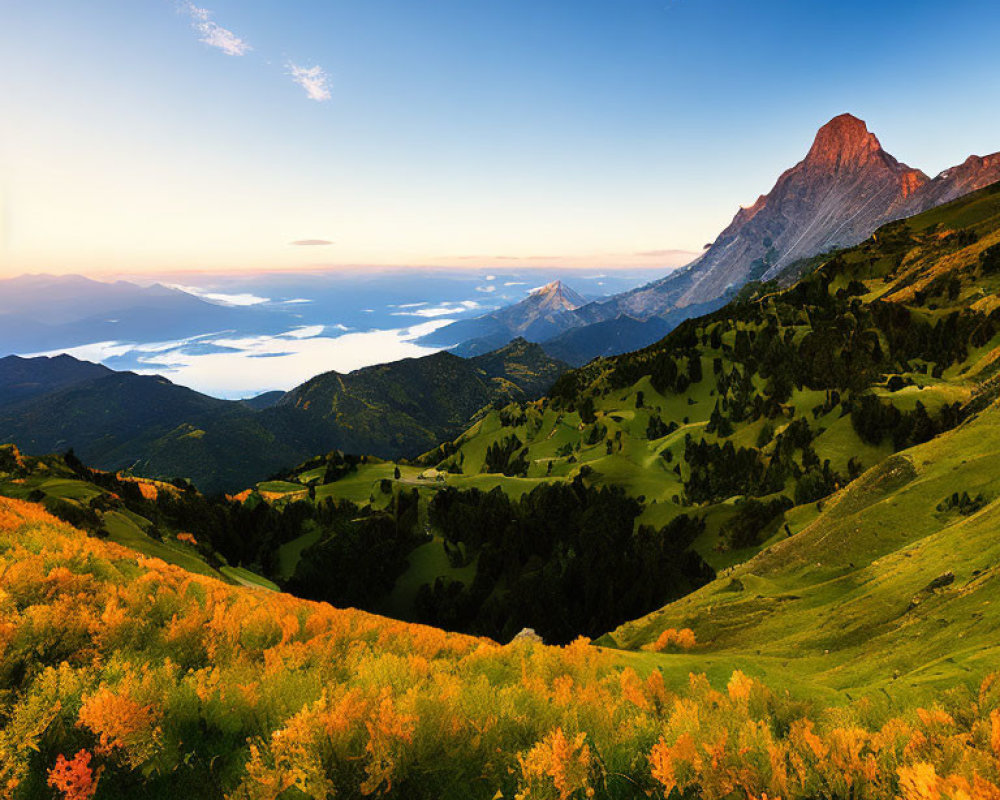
279 487
123 530
245 577
361 485
290 553
426 563
68 489
845 601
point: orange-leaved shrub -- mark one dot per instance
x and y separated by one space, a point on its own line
73 777
673 640
122 676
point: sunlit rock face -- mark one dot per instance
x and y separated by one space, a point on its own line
845 188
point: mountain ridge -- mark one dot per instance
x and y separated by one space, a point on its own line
539 316
146 423
69 311
845 188
845 160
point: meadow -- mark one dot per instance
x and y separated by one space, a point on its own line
121 675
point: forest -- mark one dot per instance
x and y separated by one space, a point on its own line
565 559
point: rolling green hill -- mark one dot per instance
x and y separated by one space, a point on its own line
403 408
154 428
891 587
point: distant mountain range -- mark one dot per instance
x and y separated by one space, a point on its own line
846 187
121 420
540 316
48 312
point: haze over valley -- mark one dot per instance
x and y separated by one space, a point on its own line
239 335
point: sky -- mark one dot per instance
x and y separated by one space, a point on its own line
152 135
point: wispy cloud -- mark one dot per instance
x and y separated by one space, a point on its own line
311 242
243 299
314 80
213 34
664 253
447 308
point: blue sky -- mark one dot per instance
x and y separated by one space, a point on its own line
153 135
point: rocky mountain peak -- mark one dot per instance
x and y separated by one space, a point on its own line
844 141
845 188
548 289
558 295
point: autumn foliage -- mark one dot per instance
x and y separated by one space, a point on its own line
74 777
122 676
672 640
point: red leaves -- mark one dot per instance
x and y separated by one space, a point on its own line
74 778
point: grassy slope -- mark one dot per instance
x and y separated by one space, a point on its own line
846 602
54 479
137 679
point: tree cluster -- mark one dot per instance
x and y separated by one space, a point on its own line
565 559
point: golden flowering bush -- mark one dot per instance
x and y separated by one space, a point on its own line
122 676
673 640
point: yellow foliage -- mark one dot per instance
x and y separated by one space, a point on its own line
739 687
556 767
121 723
156 674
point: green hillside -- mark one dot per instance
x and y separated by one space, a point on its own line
891 587
405 407
151 427
737 426
141 514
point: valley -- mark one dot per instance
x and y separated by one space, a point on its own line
718 467
499 401
728 437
